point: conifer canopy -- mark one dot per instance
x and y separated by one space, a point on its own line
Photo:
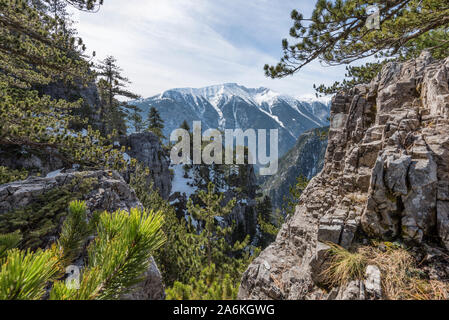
337 33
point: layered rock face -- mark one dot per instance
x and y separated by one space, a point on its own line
386 175
146 148
108 192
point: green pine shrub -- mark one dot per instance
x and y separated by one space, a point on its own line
40 220
208 286
177 258
116 259
24 275
9 241
9 175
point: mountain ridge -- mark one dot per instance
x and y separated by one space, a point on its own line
232 106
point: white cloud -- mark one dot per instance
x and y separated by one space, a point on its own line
162 44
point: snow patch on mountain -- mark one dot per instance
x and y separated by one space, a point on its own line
310 98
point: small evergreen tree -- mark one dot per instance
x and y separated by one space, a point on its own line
206 214
135 118
155 122
208 286
57 9
112 85
185 126
268 222
222 262
86 5
215 237
178 259
117 258
296 190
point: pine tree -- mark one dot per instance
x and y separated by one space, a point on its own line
75 231
185 126
337 34
9 175
155 122
24 275
267 221
9 241
112 85
117 258
86 5
296 190
215 238
179 258
34 53
222 262
212 208
57 8
207 286
134 116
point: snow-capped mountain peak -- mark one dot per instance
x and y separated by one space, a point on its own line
232 106
217 93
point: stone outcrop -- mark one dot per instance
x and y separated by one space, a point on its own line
33 161
108 192
72 92
386 175
146 148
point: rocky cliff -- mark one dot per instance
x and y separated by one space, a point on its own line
146 148
386 176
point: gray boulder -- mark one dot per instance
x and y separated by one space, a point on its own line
372 282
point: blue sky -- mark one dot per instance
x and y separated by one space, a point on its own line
163 44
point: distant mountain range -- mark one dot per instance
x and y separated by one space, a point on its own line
231 106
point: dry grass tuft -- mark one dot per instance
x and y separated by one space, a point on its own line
402 279
343 266
357 197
